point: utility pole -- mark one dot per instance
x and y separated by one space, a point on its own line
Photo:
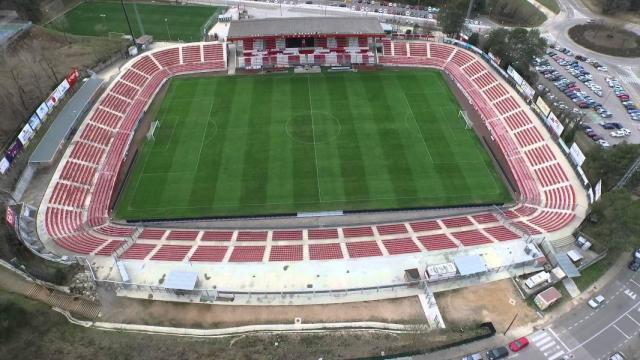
632 169
469 9
124 10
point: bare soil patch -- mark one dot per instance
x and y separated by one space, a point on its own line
497 302
115 309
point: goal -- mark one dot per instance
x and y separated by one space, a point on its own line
465 117
152 130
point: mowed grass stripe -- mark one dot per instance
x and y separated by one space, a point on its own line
99 18
399 144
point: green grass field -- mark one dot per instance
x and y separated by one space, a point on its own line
250 145
99 18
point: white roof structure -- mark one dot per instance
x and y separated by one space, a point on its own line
181 280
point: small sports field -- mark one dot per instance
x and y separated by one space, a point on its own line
271 144
106 18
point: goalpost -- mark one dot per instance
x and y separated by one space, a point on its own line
152 130
465 117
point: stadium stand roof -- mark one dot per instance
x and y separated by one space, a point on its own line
181 280
470 264
303 26
65 121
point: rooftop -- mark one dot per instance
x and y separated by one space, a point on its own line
304 26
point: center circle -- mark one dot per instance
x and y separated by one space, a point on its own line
313 127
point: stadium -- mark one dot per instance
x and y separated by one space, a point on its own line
308 160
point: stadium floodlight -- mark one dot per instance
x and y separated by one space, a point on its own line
133 38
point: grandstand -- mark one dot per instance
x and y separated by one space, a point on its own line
287 42
74 216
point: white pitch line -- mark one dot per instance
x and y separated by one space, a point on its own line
313 134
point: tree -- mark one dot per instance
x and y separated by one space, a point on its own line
516 47
611 164
474 39
617 225
452 16
27 9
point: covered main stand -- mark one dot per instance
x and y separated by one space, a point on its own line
324 41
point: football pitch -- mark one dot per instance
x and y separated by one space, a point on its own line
285 143
163 22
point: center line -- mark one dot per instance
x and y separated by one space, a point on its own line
313 135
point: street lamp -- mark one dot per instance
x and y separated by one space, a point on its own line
166 23
133 38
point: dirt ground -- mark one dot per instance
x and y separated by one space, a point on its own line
403 310
497 302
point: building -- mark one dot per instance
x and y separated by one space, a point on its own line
333 41
547 298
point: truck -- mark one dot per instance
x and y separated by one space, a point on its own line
537 279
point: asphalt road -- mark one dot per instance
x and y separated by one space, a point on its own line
585 333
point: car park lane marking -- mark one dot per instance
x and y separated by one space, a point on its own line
605 328
622 332
632 319
635 283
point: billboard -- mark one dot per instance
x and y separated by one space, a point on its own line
555 124
514 75
13 150
598 190
34 122
4 165
10 217
576 154
25 135
42 111
528 91
590 193
73 77
543 106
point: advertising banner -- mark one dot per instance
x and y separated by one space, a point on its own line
554 124
73 77
514 75
25 135
590 193
4 165
10 217
13 150
34 122
543 106
528 91
598 190
576 154
42 111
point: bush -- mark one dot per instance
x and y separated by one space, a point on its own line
514 13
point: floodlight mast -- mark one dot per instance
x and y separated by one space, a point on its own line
124 10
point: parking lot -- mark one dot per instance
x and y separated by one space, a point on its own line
567 80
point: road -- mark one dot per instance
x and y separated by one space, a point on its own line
592 334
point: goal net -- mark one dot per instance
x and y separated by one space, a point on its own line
152 130
465 117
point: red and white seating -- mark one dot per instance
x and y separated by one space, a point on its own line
75 210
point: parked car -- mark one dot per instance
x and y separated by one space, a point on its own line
473 357
596 302
518 344
617 356
497 353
